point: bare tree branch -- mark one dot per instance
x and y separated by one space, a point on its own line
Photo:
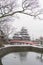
7 10
10 7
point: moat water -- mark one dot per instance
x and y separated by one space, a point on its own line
22 58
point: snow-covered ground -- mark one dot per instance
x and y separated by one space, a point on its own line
9 45
13 45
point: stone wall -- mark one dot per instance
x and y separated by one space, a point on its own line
6 50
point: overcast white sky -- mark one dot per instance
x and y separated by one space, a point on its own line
34 26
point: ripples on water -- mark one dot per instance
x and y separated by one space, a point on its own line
23 58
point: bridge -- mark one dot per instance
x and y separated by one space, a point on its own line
22 42
20 48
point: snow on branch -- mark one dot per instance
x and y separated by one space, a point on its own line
10 7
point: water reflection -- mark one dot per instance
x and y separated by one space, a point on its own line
40 57
23 56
